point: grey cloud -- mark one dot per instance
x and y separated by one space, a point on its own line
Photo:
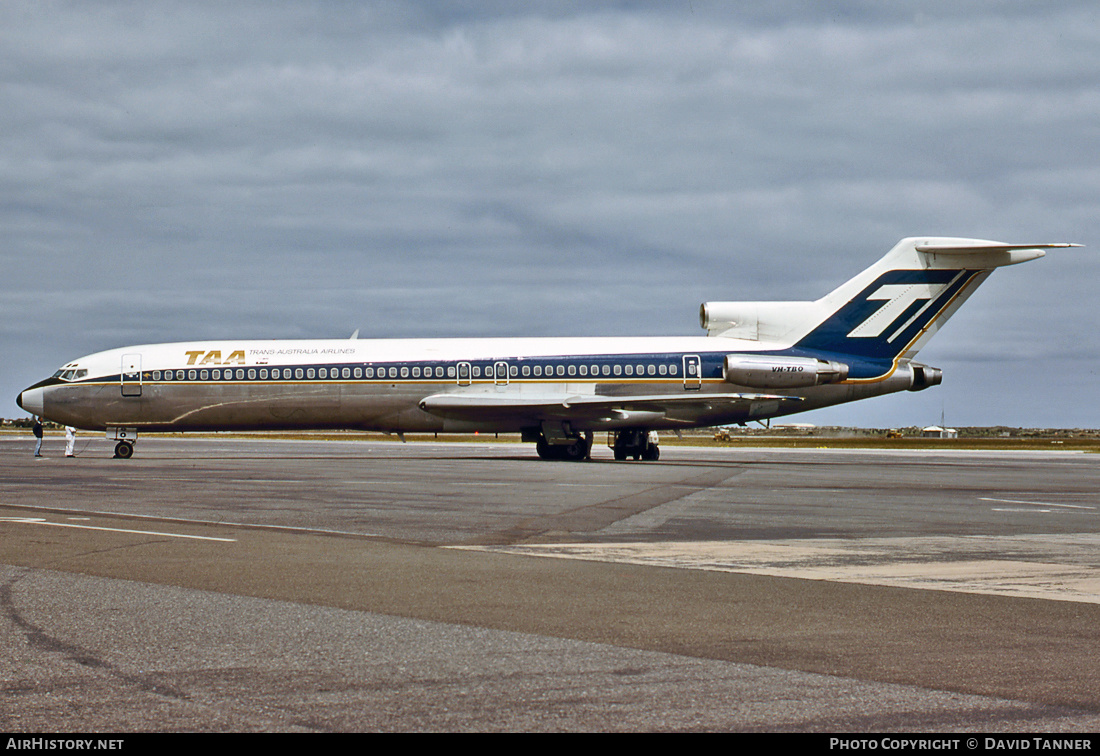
179 170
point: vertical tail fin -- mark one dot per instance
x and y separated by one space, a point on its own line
887 312
893 308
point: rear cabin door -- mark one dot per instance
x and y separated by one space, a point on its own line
693 377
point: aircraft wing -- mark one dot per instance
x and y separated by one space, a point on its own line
588 407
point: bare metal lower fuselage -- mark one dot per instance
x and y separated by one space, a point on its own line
394 407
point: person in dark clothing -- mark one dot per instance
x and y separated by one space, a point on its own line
38 436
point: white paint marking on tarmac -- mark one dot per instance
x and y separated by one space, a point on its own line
43 521
1034 503
218 523
1059 567
589 485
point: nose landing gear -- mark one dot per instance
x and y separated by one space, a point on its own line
126 437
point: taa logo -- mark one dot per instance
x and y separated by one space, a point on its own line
897 300
214 357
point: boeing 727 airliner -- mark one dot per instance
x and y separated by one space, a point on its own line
759 360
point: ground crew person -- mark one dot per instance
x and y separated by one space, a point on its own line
38 436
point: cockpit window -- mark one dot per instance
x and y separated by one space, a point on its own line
70 374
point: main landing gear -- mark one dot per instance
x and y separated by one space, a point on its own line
577 450
124 450
636 443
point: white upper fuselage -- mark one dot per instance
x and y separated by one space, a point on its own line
317 352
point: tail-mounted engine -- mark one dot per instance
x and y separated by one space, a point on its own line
759 371
924 376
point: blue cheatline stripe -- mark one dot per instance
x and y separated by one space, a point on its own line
576 368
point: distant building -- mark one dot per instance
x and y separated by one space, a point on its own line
935 431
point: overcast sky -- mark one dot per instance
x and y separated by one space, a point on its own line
175 171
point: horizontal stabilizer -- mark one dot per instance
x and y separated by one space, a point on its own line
977 245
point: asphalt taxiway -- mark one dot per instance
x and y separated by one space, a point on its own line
220 584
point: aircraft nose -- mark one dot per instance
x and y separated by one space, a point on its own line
31 400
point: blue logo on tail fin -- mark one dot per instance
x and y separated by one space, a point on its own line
880 322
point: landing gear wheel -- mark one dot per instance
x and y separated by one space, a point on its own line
124 450
545 450
652 453
576 451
